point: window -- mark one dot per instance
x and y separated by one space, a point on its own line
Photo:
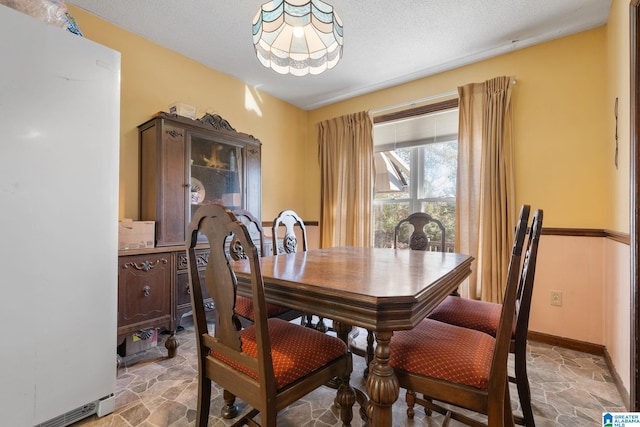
416 161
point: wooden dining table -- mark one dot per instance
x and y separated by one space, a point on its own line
381 290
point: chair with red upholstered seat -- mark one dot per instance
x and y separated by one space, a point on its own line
459 366
244 305
287 242
269 364
484 316
419 232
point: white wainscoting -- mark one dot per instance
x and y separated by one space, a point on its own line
593 274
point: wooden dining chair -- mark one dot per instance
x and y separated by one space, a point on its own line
268 365
244 305
484 316
418 240
287 242
255 231
460 366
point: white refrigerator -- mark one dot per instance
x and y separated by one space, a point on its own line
59 157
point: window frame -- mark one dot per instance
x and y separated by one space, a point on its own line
417 160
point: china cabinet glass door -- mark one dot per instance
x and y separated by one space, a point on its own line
215 174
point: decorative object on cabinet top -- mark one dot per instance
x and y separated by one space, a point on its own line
216 122
208 121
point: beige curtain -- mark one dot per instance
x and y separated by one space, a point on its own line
345 150
485 209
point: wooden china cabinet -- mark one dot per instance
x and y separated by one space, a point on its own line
184 164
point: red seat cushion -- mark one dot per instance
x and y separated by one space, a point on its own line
439 350
244 308
473 314
296 351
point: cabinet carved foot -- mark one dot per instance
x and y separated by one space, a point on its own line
172 345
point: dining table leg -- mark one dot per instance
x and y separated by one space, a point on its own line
383 388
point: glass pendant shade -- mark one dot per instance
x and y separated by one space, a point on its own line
297 37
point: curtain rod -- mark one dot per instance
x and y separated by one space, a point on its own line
421 100
414 102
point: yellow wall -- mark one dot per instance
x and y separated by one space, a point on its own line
561 117
154 77
563 146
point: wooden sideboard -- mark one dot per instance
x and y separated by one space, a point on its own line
153 291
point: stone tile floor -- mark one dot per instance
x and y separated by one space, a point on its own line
569 388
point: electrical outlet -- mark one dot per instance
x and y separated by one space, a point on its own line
556 298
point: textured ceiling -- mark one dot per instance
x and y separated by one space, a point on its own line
385 42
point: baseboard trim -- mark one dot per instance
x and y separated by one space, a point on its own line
585 347
624 394
569 343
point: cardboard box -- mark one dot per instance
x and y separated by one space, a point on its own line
136 234
232 200
182 109
139 341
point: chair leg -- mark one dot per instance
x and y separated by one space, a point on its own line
268 418
411 403
427 410
507 413
321 326
204 402
522 384
369 352
345 399
308 320
229 410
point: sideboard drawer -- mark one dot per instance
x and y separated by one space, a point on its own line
144 290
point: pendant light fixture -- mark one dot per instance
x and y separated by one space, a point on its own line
297 37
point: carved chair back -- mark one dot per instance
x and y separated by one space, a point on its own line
289 220
244 305
418 239
255 231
